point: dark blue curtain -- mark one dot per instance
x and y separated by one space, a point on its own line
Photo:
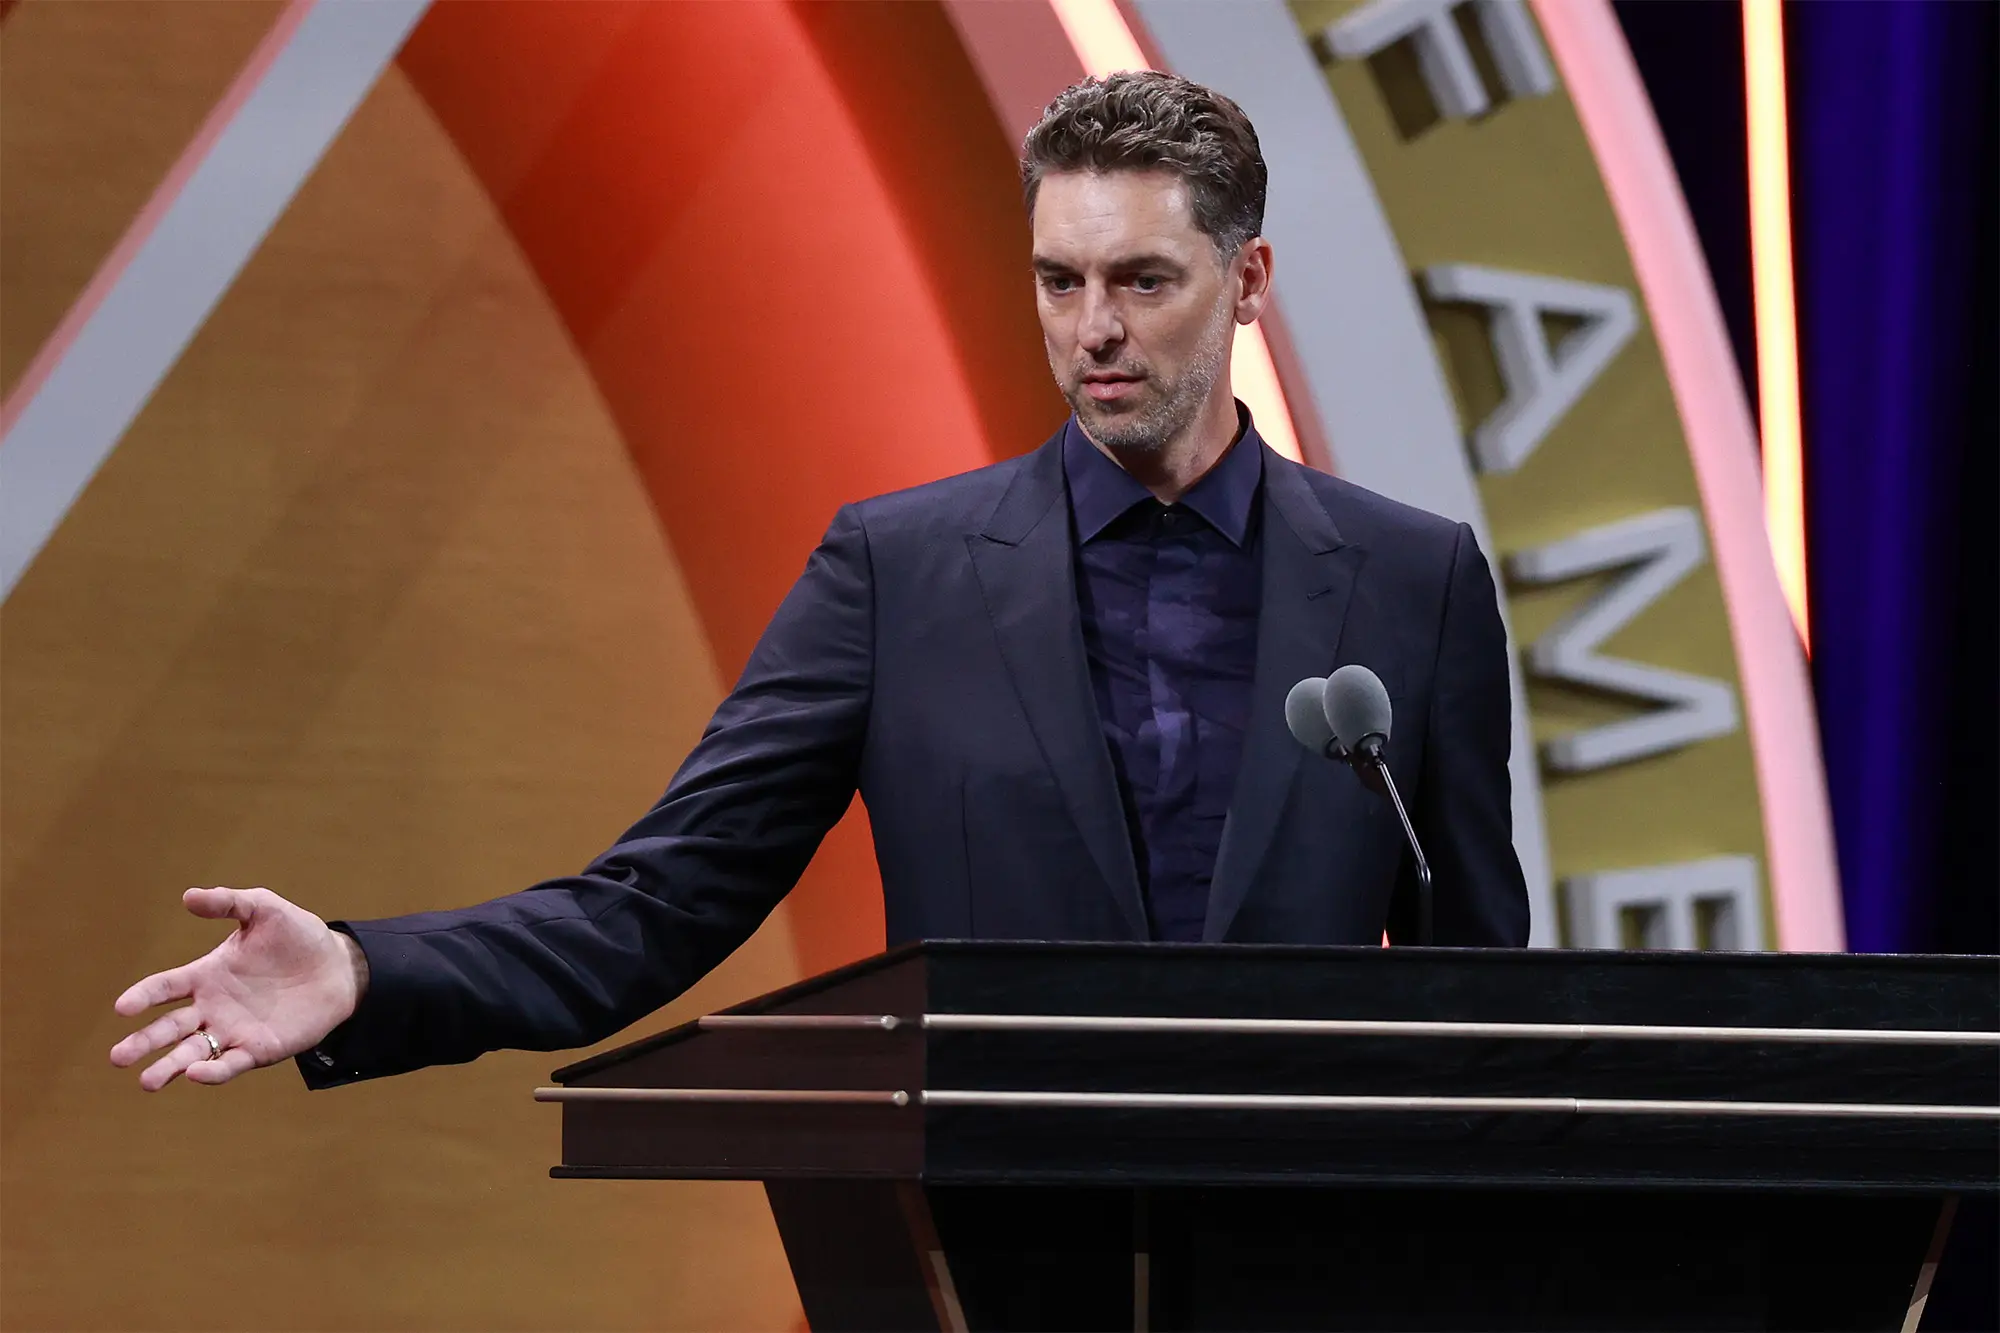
1894 173
1893 112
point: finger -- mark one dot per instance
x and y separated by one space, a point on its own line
221 903
176 983
234 1061
162 1031
171 1065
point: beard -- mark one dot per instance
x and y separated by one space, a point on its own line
1166 407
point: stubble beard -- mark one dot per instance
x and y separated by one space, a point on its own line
1152 428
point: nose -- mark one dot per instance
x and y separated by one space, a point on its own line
1100 327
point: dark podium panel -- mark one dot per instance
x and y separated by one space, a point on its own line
1036 1136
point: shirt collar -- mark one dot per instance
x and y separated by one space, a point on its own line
1100 491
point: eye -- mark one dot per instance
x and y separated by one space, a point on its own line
1058 283
1148 283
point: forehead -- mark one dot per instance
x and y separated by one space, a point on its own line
1085 216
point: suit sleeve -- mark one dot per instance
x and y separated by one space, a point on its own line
572 960
1464 811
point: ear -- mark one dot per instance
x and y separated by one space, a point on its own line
1253 279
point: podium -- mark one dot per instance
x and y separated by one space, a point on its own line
986 1135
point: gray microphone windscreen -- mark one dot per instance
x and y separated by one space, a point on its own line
1305 714
1357 706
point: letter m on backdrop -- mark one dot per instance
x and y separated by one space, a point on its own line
1656 551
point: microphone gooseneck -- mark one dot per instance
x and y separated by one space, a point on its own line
1424 896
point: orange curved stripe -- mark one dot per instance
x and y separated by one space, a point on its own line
733 244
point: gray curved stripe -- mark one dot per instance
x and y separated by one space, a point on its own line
153 310
1357 328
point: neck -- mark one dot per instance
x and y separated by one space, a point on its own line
1171 470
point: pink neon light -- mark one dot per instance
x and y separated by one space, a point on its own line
1611 101
113 268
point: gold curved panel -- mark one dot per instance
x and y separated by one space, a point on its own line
80 153
1519 189
371 607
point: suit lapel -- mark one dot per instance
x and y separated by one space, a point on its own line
1309 576
1024 562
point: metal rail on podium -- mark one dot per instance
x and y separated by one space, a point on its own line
975 1135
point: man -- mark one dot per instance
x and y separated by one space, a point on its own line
1058 682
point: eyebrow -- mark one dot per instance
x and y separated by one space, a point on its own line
1123 264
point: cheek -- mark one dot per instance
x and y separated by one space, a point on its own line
1165 336
1058 333
1193 332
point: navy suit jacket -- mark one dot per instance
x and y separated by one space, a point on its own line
931 657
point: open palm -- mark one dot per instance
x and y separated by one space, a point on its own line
275 987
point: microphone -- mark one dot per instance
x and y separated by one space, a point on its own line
1358 713
1354 724
1305 714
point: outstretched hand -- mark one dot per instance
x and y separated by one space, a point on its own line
274 988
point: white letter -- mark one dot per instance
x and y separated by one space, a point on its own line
1541 386
1666 900
1662 547
1448 71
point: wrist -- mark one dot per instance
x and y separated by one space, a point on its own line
357 964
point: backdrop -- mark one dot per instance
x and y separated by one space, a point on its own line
418 556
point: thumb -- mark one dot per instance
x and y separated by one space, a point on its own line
219 903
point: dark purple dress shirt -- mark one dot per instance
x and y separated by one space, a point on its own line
1169 596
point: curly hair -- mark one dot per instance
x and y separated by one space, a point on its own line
1144 120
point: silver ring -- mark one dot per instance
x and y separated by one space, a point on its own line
214 1046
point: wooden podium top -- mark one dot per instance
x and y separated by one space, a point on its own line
1024 1062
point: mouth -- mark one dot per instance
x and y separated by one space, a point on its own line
1105 388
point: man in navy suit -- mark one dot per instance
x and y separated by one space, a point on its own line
1058 683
